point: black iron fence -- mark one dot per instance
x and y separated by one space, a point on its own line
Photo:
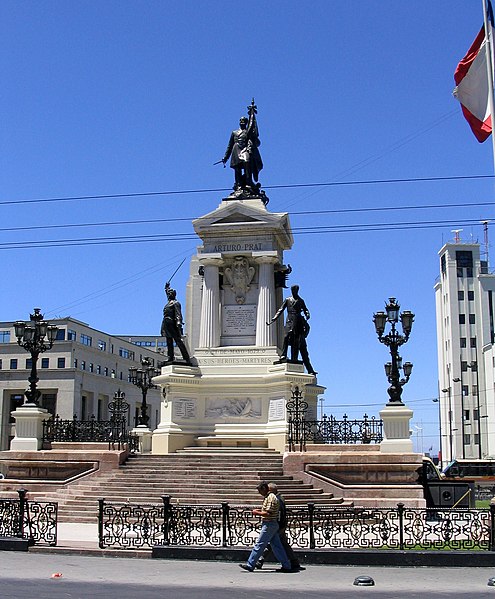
309 527
35 521
329 430
113 432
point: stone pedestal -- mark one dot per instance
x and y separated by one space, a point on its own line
397 438
145 436
236 397
28 428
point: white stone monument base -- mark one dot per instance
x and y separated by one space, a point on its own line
396 431
145 435
235 397
28 428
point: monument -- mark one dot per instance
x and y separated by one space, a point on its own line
231 388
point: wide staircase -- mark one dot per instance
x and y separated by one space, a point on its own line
191 476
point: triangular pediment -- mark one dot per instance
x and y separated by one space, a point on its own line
237 212
237 217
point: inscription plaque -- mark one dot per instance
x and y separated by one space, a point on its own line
276 410
239 320
184 408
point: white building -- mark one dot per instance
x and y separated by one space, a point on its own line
465 306
79 375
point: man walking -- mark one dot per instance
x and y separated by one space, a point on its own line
282 525
269 531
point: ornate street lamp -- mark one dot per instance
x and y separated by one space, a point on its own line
36 337
141 377
394 340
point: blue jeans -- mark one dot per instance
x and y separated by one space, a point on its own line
269 534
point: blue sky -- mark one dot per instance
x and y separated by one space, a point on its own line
109 98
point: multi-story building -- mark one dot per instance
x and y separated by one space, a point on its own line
465 308
79 375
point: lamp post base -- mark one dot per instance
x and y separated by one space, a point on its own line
28 428
397 438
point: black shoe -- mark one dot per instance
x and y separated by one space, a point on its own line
259 563
246 567
286 570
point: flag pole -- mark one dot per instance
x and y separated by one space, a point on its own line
489 68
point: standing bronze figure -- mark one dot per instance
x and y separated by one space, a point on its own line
172 325
244 154
296 328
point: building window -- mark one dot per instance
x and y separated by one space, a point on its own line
71 335
466 415
106 371
462 319
84 407
75 362
0 363
83 364
476 415
475 390
463 366
476 439
113 373
126 353
49 402
464 258
462 341
13 364
61 335
98 369
86 340
460 272
4 336
29 363
443 266
465 390
61 363
460 295
473 341
91 367
16 401
474 366
467 439
45 362
469 272
472 319
102 345
471 296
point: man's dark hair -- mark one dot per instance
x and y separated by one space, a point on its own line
263 485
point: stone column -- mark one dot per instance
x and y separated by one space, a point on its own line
209 332
266 335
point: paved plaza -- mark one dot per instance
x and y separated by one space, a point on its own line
31 575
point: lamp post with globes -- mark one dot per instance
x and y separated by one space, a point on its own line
394 340
142 377
36 337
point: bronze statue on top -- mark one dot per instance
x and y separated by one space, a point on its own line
245 157
172 325
296 329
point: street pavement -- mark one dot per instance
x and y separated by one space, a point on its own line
81 577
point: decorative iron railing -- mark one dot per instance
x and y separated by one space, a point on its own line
328 430
309 527
35 521
113 432
332 431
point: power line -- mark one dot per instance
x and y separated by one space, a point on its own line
301 213
353 228
223 189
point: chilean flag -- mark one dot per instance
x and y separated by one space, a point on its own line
474 86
